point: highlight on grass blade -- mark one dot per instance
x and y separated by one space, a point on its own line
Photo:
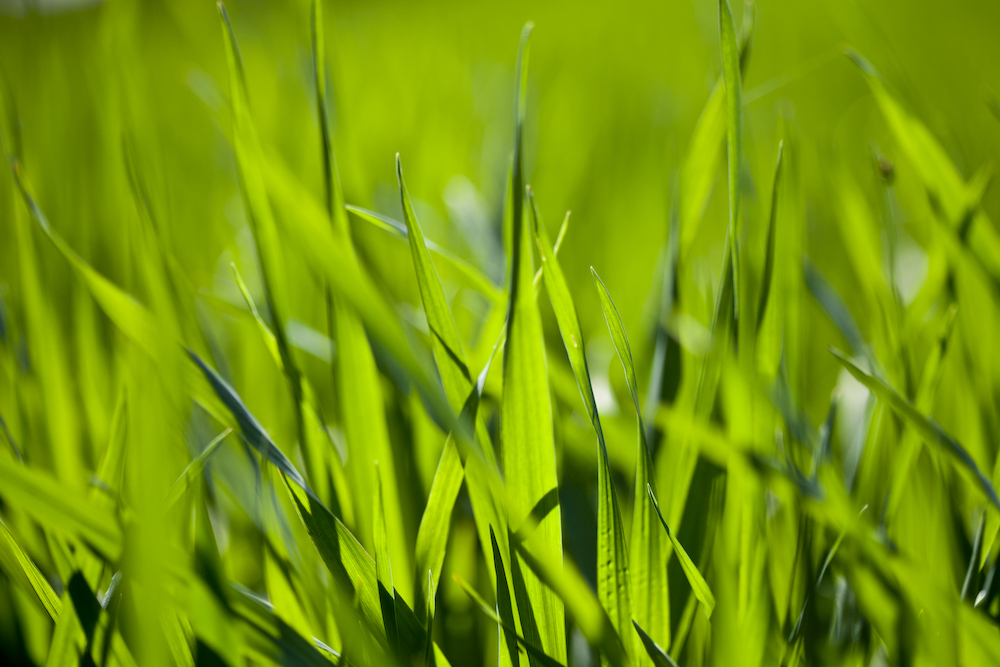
698 584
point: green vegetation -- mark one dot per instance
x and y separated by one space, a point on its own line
263 401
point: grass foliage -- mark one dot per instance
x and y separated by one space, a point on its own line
325 434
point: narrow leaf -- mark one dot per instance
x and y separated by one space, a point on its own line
698 584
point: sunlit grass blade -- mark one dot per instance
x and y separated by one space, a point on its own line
656 653
21 570
473 276
194 470
649 578
526 434
532 650
613 588
432 536
698 584
445 340
925 426
55 506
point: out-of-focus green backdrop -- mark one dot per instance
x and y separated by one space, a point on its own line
614 93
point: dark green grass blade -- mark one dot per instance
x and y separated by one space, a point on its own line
532 650
659 657
925 426
648 576
250 428
584 607
613 588
383 569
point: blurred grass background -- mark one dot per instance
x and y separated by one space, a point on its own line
614 94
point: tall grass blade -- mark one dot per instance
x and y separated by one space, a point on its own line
526 434
698 584
925 426
613 588
649 577
734 136
535 652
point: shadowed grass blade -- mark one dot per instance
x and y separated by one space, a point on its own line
535 652
659 657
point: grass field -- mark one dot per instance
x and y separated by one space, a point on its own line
304 359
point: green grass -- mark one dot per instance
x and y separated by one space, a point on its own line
266 402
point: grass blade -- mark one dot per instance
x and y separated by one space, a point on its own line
473 276
193 470
21 570
613 588
765 282
529 460
55 506
383 569
734 134
535 652
698 584
649 577
659 657
925 426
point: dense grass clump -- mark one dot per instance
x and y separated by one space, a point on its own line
246 420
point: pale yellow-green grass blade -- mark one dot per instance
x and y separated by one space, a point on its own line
956 199
613 588
925 426
526 435
446 343
131 317
698 584
194 469
22 571
650 599
432 536
59 508
473 277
